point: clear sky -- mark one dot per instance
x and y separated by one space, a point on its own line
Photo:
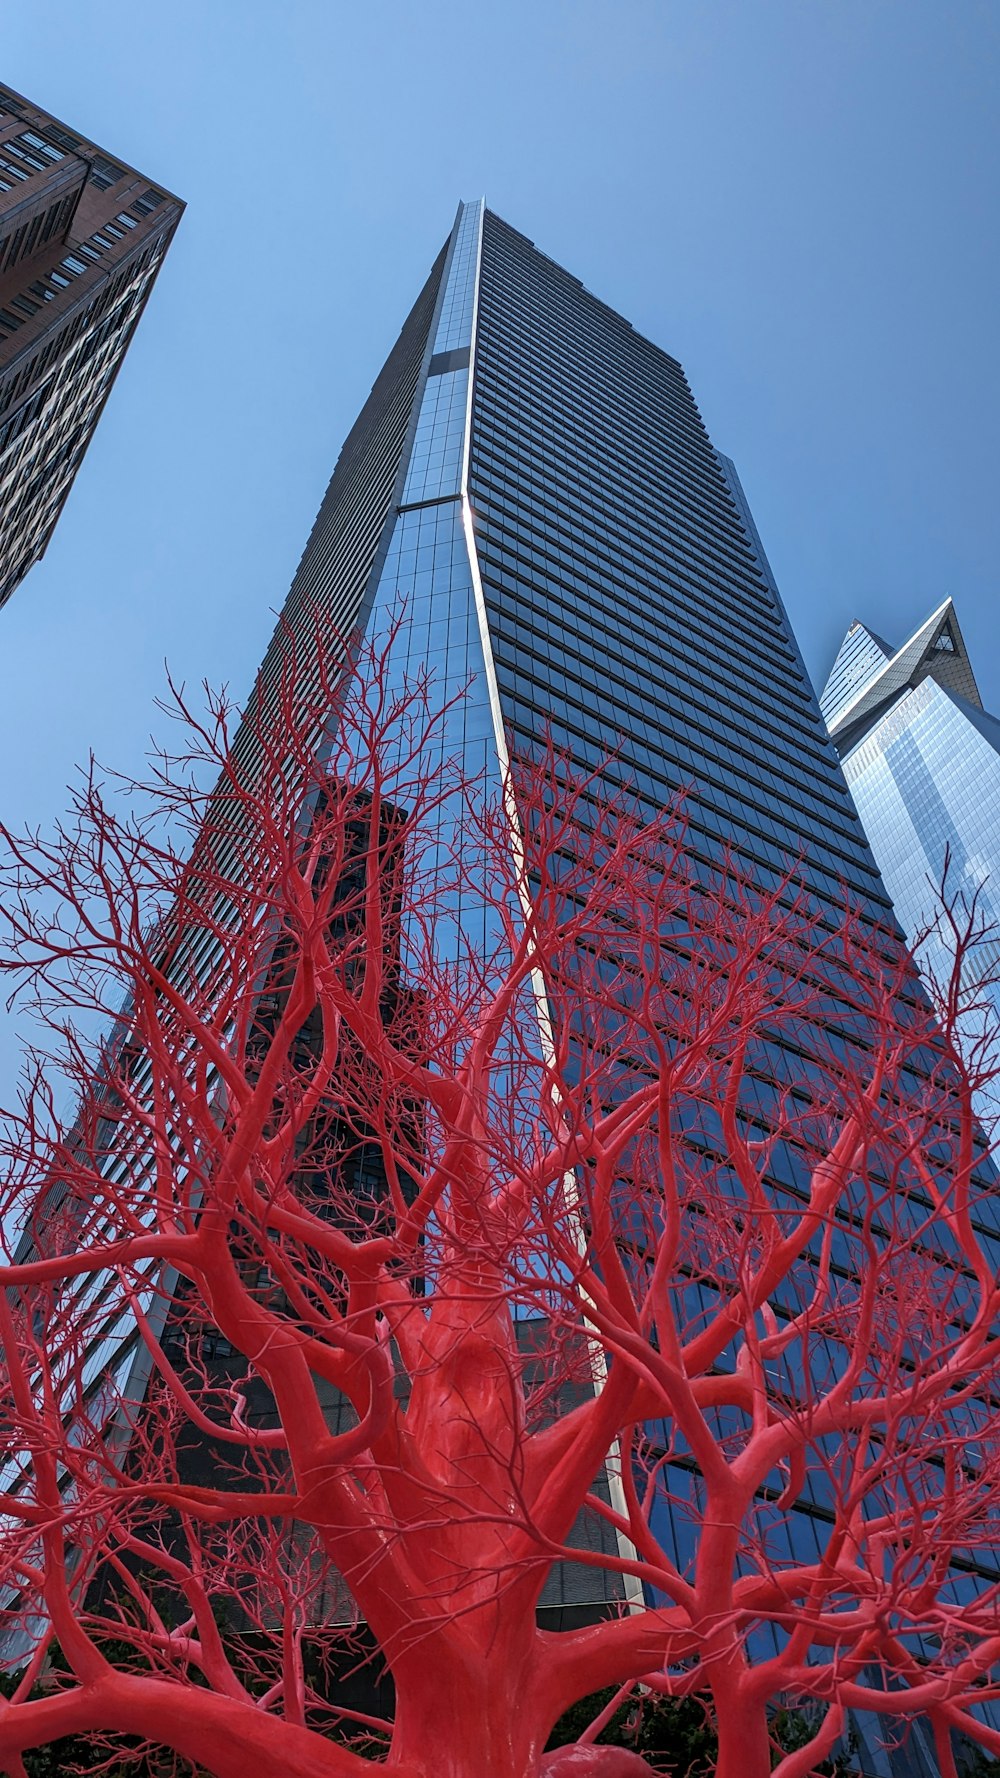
797 198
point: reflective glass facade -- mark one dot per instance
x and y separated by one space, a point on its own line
922 760
859 661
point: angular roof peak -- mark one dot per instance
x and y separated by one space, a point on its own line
860 657
867 676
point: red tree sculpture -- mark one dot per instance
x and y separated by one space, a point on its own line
377 1260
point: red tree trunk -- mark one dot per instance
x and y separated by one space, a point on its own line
464 1709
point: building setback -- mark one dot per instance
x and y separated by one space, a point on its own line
922 760
82 237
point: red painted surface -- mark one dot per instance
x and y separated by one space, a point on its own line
843 1337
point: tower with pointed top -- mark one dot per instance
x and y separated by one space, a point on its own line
922 760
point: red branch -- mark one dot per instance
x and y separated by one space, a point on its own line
382 1270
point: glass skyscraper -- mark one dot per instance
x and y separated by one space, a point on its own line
573 552
533 478
922 760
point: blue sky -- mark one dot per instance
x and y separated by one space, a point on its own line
798 198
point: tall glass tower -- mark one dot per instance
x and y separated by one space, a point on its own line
573 552
531 484
531 480
922 759
534 479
